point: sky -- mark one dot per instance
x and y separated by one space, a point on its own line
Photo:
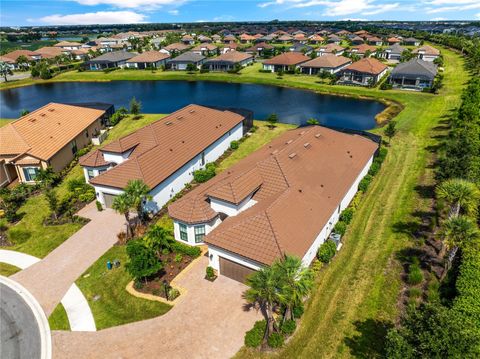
80 12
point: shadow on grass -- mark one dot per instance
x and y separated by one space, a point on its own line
370 342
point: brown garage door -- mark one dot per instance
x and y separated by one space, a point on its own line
234 270
108 198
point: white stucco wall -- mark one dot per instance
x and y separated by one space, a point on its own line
231 209
116 157
191 230
96 171
214 253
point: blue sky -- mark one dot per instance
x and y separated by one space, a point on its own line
63 12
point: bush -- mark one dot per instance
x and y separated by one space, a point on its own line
178 258
340 228
137 284
298 311
275 340
210 273
288 327
173 293
234 145
186 249
364 183
374 168
316 266
382 153
88 196
386 86
347 215
326 251
414 292
83 151
99 206
254 337
415 275
204 175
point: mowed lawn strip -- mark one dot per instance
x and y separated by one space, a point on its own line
7 269
58 320
355 297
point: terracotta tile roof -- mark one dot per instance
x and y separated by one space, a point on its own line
232 56
43 132
238 189
304 174
161 148
363 48
67 44
247 37
14 55
330 61
149 56
427 49
49 52
285 38
260 45
393 39
230 38
367 65
176 47
287 59
7 60
316 38
93 159
331 48
27 160
202 47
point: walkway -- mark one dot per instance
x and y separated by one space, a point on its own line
209 321
50 279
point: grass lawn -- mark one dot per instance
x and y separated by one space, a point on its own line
355 298
58 320
7 269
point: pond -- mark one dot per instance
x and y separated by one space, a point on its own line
291 105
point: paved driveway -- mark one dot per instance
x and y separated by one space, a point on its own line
49 279
208 322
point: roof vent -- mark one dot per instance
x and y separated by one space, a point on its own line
32 119
317 135
292 155
179 117
168 123
51 109
192 111
42 115
306 144
302 133
275 152
288 142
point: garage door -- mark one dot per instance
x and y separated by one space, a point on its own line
108 198
234 270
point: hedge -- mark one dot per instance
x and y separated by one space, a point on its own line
254 337
326 251
185 249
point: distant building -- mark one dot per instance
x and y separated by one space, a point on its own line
415 74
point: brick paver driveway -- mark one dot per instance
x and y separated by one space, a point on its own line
49 279
208 322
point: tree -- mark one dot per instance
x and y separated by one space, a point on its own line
460 195
137 192
296 283
135 106
52 200
158 238
390 130
46 177
272 120
22 62
263 291
191 68
24 112
5 70
142 261
122 204
312 121
458 230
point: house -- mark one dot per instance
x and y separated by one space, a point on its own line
182 61
334 39
163 154
393 40
328 63
107 42
283 199
300 38
361 33
426 53
302 48
343 33
67 45
393 53
267 38
229 48
411 41
188 40
244 38
229 61
80 54
415 74
205 49
330 49
363 50
316 39
204 39
216 38
260 48
285 38
12 65
110 60
374 40
50 52
228 39
364 72
48 137
148 59
285 62
356 40
12 58
174 49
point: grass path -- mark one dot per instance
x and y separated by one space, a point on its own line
355 298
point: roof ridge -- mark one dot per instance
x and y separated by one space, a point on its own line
274 232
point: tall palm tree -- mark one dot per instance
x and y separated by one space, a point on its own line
458 230
460 195
296 282
138 192
264 288
123 204
159 238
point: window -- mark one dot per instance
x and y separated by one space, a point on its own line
183 232
73 144
91 174
30 173
202 162
199 234
86 133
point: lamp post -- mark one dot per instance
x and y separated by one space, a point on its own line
165 286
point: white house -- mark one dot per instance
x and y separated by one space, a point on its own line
426 53
163 155
283 199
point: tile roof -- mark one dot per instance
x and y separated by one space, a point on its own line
303 176
232 56
363 48
201 47
67 44
367 65
260 45
177 46
162 147
43 132
329 60
114 56
149 56
331 48
93 159
416 68
49 52
14 55
396 48
427 50
188 57
287 59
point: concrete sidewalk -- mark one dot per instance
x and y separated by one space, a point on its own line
50 279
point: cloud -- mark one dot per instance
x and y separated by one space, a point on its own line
174 12
477 15
131 4
454 8
352 19
438 19
450 2
100 17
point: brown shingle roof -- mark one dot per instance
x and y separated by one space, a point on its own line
287 59
165 145
42 133
367 65
149 56
305 174
330 61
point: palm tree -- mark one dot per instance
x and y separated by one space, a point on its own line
296 282
460 195
159 238
5 70
138 192
22 61
458 230
264 288
123 204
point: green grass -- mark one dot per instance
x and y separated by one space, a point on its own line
7 269
58 320
7 46
4 121
115 306
355 298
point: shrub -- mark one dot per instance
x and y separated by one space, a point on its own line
364 183
18 235
275 340
254 337
347 215
137 284
178 258
415 275
142 260
173 293
88 196
99 206
288 327
326 251
298 310
82 151
382 153
374 168
340 228
204 175
414 292
316 266
356 201
234 145
386 86
210 272
186 249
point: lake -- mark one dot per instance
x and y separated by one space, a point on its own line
291 105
